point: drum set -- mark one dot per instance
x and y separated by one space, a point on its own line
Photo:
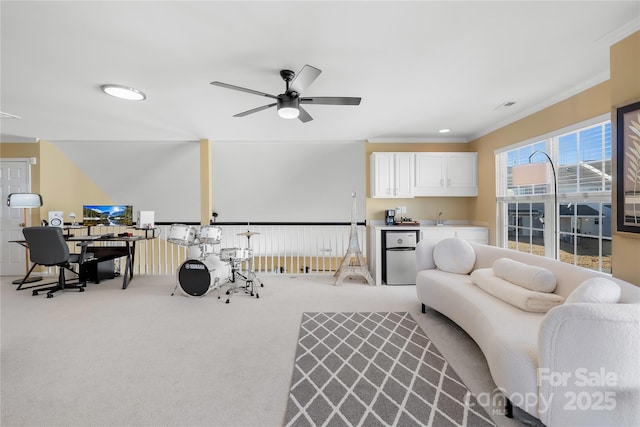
208 269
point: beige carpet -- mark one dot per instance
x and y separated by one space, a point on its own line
140 357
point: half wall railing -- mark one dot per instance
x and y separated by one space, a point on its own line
278 248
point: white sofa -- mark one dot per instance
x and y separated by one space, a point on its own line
578 364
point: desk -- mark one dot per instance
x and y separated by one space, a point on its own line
105 253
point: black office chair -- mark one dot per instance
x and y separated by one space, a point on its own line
47 247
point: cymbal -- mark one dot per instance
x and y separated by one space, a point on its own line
247 233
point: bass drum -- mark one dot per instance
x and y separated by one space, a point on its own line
196 277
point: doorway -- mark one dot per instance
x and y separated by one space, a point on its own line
16 178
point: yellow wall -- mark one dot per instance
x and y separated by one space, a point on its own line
26 151
621 89
586 105
64 186
625 89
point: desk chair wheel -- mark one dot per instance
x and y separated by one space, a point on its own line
227 301
81 289
34 293
49 295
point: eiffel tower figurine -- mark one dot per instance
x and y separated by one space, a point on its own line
359 266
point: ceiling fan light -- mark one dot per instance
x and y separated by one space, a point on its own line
124 92
288 108
288 112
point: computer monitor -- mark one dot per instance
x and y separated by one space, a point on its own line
113 215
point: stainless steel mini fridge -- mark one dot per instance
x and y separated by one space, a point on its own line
399 263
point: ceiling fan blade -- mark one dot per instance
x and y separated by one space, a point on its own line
255 110
331 100
242 89
304 116
304 78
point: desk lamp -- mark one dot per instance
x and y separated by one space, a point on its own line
25 201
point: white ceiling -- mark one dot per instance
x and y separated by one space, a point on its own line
419 66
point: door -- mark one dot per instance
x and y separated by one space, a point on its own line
15 179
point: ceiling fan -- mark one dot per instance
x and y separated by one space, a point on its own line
290 102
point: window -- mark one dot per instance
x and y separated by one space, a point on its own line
578 229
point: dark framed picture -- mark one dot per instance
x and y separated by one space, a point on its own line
628 167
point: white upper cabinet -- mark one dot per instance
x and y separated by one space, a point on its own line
392 175
446 174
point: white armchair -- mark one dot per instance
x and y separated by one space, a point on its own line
589 370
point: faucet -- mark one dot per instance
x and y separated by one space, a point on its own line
440 221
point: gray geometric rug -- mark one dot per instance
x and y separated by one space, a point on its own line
374 369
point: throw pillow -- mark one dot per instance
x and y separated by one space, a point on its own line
517 296
596 290
454 255
528 276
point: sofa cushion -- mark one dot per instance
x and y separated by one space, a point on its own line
524 299
424 254
454 255
528 276
596 290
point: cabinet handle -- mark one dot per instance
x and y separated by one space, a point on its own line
441 182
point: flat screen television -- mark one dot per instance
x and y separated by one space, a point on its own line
113 215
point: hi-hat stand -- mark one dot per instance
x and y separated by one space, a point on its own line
249 277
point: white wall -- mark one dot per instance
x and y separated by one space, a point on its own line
156 176
295 182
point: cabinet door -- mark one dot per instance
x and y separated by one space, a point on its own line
446 174
404 175
430 174
474 234
437 233
382 175
462 174
392 175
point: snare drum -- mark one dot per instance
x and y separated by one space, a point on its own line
181 234
197 277
210 234
235 254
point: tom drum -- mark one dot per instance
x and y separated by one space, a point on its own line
182 234
210 234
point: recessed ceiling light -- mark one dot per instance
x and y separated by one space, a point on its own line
124 92
445 130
